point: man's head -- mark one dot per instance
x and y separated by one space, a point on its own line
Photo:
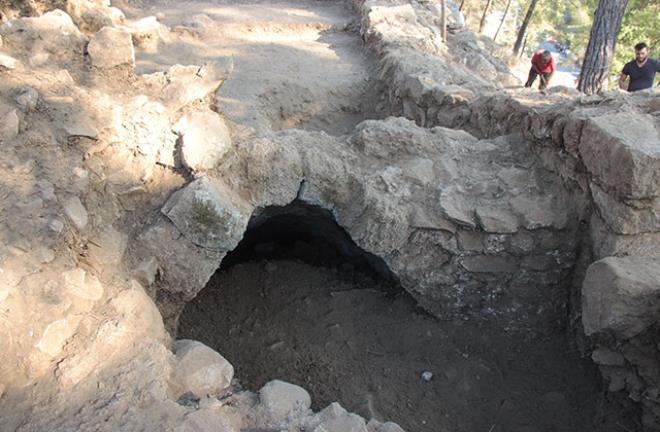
641 52
546 55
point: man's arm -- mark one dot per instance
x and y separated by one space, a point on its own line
622 81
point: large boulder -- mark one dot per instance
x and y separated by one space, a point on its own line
621 296
622 152
209 214
205 140
281 400
111 47
199 370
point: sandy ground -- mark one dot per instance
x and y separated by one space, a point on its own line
296 64
343 338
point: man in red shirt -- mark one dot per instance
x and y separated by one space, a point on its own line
543 65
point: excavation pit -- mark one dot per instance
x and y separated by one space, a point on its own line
298 301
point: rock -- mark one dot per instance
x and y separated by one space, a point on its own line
92 15
52 32
496 220
56 225
621 296
205 140
75 211
427 376
205 420
607 357
139 315
56 335
622 151
9 125
111 47
334 418
376 426
27 99
182 85
208 214
8 62
45 255
81 128
83 285
184 267
146 272
147 33
281 400
107 249
47 190
488 264
540 211
200 370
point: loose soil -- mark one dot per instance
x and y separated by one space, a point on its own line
341 336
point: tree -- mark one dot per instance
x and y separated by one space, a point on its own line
460 8
506 10
600 50
483 16
523 27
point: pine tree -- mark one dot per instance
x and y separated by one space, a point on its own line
523 27
602 40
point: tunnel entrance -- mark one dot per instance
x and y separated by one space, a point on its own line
298 300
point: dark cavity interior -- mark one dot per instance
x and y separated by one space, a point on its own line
298 300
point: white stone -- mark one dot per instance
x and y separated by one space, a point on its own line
45 255
205 140
8 62
83 285
111 47
56 335
200 370
81 128
280 400
75 211
334 418
376 426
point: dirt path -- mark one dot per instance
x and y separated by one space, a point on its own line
345 340
296 64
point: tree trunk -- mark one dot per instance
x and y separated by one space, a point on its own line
443 20
523 27
506 10
460 8
522 51
482 23
600 51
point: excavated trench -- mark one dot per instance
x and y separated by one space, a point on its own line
297 300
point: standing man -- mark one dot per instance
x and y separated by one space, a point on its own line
641 71
543 65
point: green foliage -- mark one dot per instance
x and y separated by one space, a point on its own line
205 217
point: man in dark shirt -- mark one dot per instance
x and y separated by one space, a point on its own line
543 65
641 71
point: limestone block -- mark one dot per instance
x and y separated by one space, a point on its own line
50 33
621 296
488 264
75 212
281 400
627 217
83 285
208 214
622 151
204 420
184 267
376 426
139 316
495 220
540 211
391 14
111 47
607 357
147 33
334 418
56 335
200 370
205 140
8 62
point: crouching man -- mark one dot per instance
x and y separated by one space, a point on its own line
543 66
